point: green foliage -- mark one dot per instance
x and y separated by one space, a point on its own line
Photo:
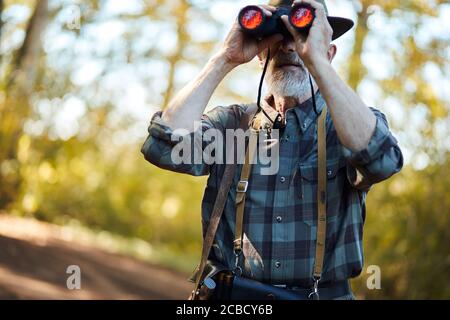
97 177
114 191
407 235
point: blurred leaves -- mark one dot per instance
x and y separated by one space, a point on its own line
70 147
407 235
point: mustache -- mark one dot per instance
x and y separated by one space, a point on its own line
288 59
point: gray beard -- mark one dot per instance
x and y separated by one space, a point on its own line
288 84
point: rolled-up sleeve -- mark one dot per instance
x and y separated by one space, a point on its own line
159 146
381 159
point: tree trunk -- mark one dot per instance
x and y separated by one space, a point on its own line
15 108
25 64
1 20
357 71
183 39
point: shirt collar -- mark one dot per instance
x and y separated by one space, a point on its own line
304 112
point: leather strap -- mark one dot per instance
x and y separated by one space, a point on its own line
219 205
321 193
241 190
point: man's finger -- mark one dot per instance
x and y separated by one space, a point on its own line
270 8
318 7
290 28
267 11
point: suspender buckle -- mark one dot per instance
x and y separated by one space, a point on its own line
242 186
237 269
314 295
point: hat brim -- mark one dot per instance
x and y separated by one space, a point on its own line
340 26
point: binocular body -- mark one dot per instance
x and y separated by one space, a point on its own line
256 23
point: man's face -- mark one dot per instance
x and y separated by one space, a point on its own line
287 75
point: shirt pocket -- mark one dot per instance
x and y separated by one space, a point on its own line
307 190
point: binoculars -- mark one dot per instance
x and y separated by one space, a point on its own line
256 23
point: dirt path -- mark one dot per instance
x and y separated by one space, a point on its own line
34 257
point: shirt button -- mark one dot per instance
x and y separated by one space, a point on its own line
279 219
304 125
277 264
283 179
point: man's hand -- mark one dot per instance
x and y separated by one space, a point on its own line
240 48
354 122
313 50
189 104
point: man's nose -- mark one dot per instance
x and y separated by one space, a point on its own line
288 45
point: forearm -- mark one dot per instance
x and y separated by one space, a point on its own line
189 104
354 121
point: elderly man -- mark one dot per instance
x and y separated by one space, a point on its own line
283 227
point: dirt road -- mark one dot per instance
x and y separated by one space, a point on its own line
34 257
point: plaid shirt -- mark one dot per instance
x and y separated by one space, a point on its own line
280 220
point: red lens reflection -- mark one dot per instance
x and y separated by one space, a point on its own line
251 19
302 17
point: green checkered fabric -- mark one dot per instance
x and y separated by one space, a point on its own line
281 209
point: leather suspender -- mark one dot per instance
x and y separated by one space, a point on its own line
219 204
240 196
321 200
225 186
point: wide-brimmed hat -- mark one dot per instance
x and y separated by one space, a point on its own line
338 24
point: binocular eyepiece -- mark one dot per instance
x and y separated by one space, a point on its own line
256 23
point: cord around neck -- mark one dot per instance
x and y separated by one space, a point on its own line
277 124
